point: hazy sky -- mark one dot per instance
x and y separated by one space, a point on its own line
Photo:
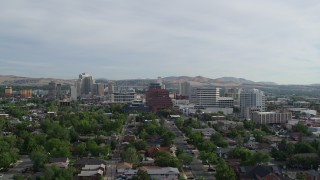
260 40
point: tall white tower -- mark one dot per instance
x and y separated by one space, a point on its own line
250 101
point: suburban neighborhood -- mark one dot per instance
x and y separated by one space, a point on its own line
107 131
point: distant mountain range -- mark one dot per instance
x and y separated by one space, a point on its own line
223 81
12 80
194 81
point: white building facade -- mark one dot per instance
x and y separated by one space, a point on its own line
205 97
271 117
251 101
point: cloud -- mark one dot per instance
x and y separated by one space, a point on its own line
259 40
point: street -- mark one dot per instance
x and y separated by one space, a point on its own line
197 168
22 164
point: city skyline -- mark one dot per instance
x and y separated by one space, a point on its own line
260 41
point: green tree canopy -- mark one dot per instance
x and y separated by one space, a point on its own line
223 171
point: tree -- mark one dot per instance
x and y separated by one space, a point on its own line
303 147
257 158
140 145
300 176
18 177
81 149
218 140
141 175
39 158
258 134
58 148
240 152
54 172
185 158
164 159
207 146
93 148
302 129
5 160
196 138
223 171
179 122
209 157
168 138
130 155
8 153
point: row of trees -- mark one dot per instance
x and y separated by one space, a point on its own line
207 147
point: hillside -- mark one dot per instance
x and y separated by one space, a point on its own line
170 81
26 81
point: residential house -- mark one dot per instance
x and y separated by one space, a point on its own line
60 162
152 151
101 167
80 163
207 132
129 138
164 173
160 173
259 172
91 175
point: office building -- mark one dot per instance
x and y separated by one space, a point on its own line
98 89
270 117
185 89
74 94
59 92
157 98
8 91
26 93
85 84
205 97
301 104
235 94
251 101
225 102
52 93
124 96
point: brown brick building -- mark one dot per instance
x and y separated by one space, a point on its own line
157 98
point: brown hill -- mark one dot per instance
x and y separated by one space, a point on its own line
25 81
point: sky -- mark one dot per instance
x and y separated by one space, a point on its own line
259 40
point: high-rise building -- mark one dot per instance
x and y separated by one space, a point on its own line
157 98
235 94
205 96
124 96
98 89
85 84
185 89
26 93
52 93
251 101
74 94
59 91
8 91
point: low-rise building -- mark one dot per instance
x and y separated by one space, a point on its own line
155 173
301 104
207 132
225 102
271 117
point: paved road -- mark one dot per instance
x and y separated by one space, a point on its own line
197 168
111 170
23 163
